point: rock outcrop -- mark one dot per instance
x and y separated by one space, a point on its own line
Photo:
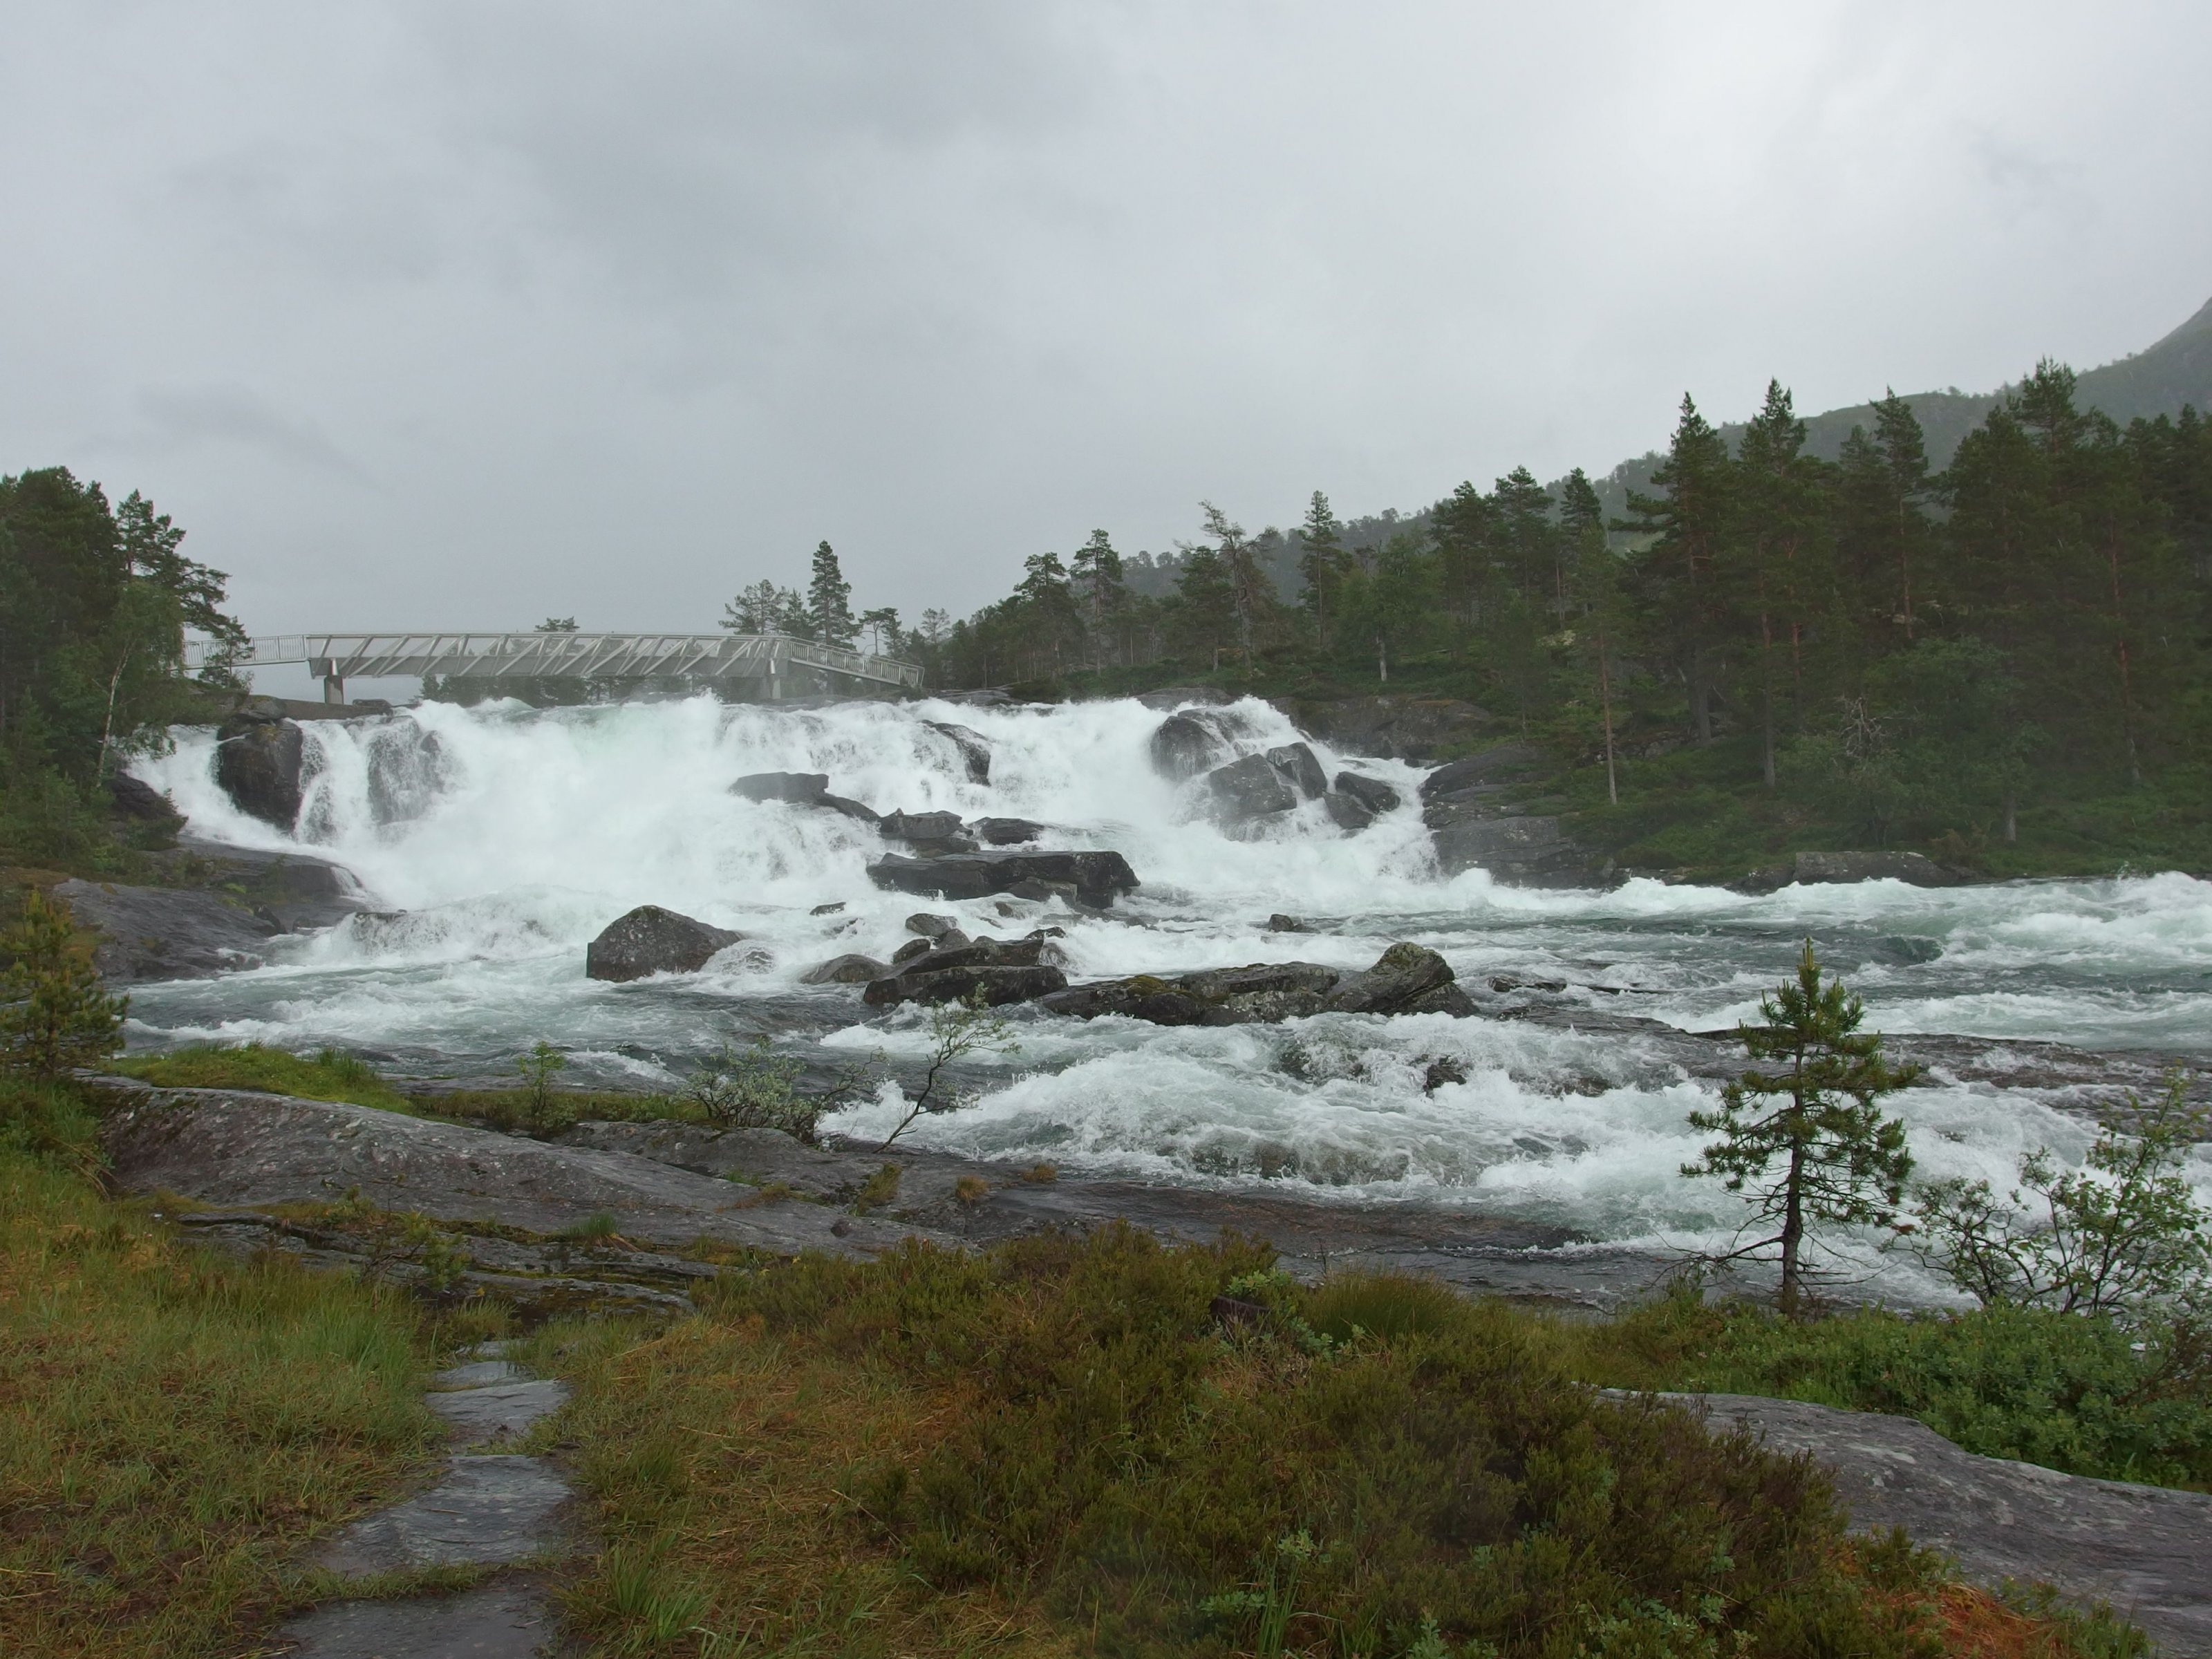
973 747
1413 728
652 940
231 1147
167 932
1406 979
259 761
1814 869
2145 1549
1472 826
1093 880
1006 832
931 835
999 971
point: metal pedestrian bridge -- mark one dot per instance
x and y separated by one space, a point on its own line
779 665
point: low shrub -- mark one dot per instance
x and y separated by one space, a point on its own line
1055 1446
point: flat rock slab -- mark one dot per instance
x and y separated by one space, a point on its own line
487 1511
498 1410
498 1621
229 1146
2146 1550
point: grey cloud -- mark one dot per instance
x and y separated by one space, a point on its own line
183 418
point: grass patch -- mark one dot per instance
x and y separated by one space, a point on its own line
2052 1389
512 1110
329 1075
175 1427
1053 1447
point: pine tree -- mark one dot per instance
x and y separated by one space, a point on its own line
1597 594
829 600
1842 1161
1321 566
1781 511
1100 591
53 1014
1674 582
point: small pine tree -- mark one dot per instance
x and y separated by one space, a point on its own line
1842 1161
829 599
54 1013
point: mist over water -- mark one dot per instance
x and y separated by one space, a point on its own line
498 840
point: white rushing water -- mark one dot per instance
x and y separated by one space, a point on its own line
506 838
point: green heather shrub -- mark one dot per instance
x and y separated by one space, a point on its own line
1060 1429
2081 1394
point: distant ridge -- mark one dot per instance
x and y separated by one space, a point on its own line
2155 381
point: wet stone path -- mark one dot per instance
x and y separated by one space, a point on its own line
491 1508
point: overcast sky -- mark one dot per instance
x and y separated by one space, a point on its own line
455 314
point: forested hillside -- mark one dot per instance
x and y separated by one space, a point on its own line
1762 646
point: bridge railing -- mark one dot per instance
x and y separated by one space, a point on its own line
561 656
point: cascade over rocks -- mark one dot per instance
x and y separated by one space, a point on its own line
1002 971
1093 880
258 758
652 940
974 748
408 770
1406 979
1259 785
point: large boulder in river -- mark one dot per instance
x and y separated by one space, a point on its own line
1093 880
1259 785
999 970
973 748
849 970
258 761
1374 794
652 940
1186 744
801 789
1406 979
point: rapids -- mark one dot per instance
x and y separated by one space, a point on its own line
496 840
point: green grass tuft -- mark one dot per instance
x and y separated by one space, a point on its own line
328 1075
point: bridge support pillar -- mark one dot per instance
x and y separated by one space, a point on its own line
333 688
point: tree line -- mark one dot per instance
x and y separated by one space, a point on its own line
1907 647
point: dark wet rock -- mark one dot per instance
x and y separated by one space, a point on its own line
913 948
796 788
759 1156
1348 812
1279 923
1174 696
1441 1071
408 770
1441 1000
1006 832
231 1147
259 761
167 932
929 926
1522 852
1815 869
801 789
293 890
1301 769
652 940
477 1411
1400 974
1414 728
1376 796
504 1619
1503 764
849 970
830 909
1002 971
1405 979
1097 880
139 801
1186 744
931 835
1253 787
487 1511
2145 1549
974 749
